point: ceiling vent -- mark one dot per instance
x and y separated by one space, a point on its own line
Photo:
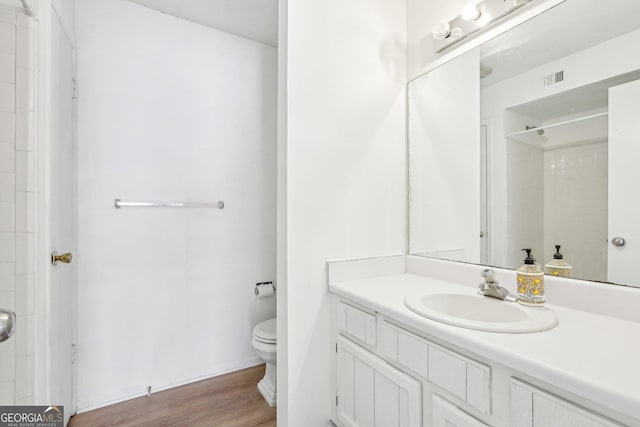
554 78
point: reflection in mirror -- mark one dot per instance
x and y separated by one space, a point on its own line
530 141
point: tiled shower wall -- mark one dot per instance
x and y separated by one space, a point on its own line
525 206
559 197
576 208
17 203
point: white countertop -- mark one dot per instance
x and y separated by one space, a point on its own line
594 356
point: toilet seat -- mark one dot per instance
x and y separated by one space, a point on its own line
265 332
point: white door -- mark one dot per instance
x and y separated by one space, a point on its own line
624 176
62 211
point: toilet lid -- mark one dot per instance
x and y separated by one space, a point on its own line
266 331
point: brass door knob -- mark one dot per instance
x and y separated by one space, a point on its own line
55 258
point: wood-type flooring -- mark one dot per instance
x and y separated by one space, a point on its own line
230 400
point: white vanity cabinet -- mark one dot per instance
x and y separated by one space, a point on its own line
389 376
371 393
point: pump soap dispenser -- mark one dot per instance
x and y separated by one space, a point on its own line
558 266
530 282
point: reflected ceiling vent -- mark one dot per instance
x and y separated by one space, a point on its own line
485 71
554 78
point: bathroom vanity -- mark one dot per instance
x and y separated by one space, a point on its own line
394 367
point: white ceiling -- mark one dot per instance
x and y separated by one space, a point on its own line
253 19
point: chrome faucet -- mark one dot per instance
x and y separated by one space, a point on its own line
491 288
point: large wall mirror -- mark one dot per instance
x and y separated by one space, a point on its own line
532 140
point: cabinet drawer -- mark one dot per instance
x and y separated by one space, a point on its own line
532 407
357 323
448 371
413 352
479 386
465 378
461 376
407 349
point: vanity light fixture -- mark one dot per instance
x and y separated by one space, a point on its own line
442 31
472 19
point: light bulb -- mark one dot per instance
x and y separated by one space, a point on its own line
441 30
484 19
470 12
456 34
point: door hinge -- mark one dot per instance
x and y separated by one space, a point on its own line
74 354
74 89
336 400
336 347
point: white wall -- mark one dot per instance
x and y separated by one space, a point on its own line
444 149
346 170
170 110
67 10
282 379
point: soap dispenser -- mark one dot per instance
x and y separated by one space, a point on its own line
530 282
558 266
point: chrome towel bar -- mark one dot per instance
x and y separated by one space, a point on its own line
122 204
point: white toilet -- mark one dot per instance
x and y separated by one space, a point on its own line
264 342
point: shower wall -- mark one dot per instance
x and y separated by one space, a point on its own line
525 202
559 197
575 208
170 110
18 35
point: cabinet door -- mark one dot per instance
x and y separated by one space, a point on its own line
445 414
372 393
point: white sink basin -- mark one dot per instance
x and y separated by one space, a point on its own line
473 311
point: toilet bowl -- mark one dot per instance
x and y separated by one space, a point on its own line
264 342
